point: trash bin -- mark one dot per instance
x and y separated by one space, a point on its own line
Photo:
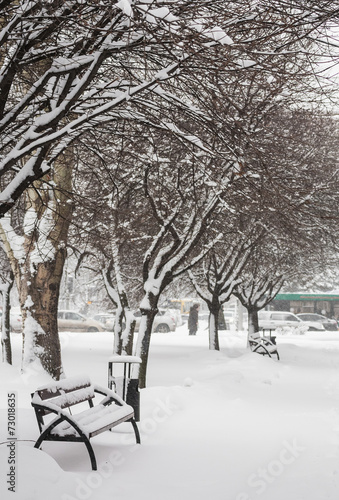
271 337
119 379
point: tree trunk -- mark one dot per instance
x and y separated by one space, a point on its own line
118 328
127 336
213 328
253 322
5 331
126 333
39 297
149 309
123 333
144 340
124 327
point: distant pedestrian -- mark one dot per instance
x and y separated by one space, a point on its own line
193 319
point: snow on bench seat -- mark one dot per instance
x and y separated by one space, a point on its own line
95 420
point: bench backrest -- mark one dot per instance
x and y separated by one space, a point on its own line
65 393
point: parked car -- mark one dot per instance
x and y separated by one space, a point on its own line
328 324
164 321
106 319
271 320
74 321
175 313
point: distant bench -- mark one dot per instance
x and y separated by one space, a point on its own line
59 396
262 345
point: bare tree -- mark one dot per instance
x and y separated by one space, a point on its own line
69 66
172 185
257 289
152 220
217 280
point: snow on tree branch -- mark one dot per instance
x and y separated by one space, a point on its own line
68 65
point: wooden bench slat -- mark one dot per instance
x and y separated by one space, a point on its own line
63 386
72 398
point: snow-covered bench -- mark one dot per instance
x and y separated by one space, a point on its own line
57 398
262 345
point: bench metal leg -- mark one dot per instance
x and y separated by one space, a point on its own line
82 438
91 454
44 435
136 430
260 349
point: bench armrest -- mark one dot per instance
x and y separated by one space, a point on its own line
266 341
110 396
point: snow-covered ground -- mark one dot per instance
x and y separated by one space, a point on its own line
228 425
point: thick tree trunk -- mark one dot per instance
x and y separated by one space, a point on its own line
39 297
253 323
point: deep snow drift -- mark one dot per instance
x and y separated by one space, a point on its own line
228 425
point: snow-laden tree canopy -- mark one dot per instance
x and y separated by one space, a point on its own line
67 66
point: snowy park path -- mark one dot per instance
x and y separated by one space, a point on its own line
225 425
